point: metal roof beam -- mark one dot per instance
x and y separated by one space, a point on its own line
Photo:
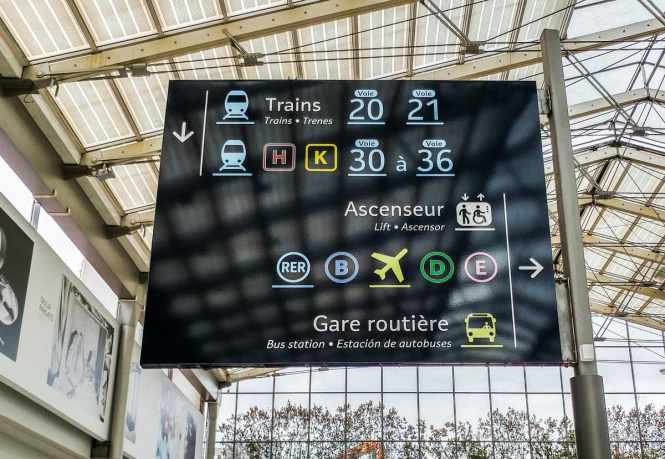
443 18
250 373
587 158
635 318
94 243
625 206
618 247
530 55
650 291
411 37
153 49
515 31
141 218
601 104
146 148
12 58
355 41
31 155
205 382
80 21
622 151
466 28
617 204
643 156
154 17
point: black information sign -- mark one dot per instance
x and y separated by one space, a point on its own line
337 222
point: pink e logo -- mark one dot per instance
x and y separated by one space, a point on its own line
480 267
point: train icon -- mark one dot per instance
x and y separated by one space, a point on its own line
236 104
233 155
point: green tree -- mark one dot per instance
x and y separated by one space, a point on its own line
289 428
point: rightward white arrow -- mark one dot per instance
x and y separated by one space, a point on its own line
534 266
183 136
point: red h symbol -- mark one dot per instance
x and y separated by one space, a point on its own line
279 157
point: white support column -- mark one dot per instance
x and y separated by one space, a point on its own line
213 413
591 429
128 312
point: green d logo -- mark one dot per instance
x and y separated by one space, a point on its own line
437 267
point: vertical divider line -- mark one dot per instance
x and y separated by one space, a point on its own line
510 270
203 135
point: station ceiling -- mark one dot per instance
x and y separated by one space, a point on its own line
99 73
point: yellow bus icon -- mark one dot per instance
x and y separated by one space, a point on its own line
480 326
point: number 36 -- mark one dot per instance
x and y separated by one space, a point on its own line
443 163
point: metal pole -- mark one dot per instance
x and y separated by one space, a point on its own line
591 430
213 410
128 317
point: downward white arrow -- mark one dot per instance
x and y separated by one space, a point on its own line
184 135
534 266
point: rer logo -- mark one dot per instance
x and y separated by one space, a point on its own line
321 157
293 268
279 157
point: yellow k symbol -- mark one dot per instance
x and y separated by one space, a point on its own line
321 157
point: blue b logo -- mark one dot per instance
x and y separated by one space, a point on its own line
341 267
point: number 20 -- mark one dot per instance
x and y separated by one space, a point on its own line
374 109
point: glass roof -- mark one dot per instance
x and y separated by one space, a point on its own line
615 90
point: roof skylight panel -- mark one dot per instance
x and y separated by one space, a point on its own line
174 14
492 77
209 64
614 174
492 20
651 142
594 258
640 182
609 223
625 266
590 140
632 302
539 15
282 66
655 307
593 119
602 294
93 112
235 7
383 41
111 21
529 73
580 90
655 116
331 40
599 16
647 232
146 99
42 28
134 186
435 43
616 81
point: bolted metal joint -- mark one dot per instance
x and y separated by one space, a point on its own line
473 47
10 87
